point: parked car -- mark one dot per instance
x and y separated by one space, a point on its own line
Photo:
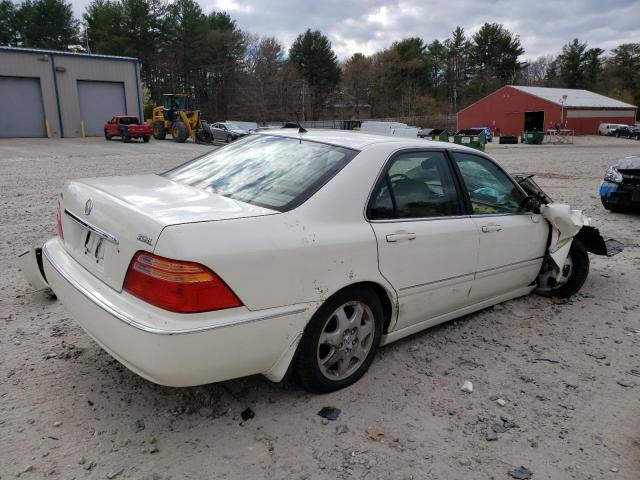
300 249
623 131
127 127
488 132
620 188
609 128
222 132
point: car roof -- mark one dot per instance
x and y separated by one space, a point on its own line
358 141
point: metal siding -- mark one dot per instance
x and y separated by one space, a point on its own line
21 109
92 69
99 102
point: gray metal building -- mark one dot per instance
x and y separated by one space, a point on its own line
45 93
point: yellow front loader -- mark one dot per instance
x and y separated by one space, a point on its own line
176 118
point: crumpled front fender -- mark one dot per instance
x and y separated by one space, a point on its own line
565 224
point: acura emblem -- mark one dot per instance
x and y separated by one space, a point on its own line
88 207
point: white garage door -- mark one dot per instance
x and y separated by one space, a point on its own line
21 110
99 102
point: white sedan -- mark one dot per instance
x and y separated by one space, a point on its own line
300 250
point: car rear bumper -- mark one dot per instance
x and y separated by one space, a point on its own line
172 349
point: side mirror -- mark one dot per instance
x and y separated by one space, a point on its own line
531 203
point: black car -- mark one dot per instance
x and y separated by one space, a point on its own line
620 189
626 131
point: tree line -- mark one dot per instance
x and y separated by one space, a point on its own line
232 73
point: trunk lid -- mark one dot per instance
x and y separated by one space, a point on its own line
106 220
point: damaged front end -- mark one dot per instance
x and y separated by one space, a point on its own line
567 225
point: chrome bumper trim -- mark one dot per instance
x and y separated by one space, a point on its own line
110 309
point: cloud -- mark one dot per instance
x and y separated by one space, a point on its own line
370 25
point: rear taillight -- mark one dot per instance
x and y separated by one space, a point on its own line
59 222
183 287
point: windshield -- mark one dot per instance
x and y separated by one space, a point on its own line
176 102
274 172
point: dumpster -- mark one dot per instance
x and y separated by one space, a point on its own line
474 138
533 138
436 134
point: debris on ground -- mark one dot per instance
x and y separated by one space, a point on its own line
374 433
520 473
558 301
330 413
491 435
626 383
501 402
114 472
467 386
597 355
340 429
140 426
247 414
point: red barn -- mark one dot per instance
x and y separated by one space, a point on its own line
511 110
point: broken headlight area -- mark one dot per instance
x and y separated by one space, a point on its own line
613 175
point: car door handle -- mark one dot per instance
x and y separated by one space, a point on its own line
397 237
492 227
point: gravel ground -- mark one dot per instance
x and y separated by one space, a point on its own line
568 373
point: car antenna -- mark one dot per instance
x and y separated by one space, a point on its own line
301 129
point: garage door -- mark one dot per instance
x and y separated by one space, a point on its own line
21 111
99 102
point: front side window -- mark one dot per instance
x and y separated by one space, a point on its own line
490 190
270 171
416 185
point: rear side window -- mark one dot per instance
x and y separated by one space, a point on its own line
269 171
490 190
416 185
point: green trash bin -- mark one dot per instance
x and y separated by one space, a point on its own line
471 138
533 138
436 134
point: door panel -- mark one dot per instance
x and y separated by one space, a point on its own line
427 247
433 272
510 255
512 240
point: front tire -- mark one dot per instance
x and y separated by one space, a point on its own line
340 341
229 139
179 132
107 136
572 277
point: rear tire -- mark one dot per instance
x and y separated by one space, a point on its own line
229 139
578 269
159 132
179 132
340 341
145 139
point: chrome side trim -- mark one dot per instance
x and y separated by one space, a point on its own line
98 231
123 317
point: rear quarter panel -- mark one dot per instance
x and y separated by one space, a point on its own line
304 255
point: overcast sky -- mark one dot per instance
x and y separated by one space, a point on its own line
370 25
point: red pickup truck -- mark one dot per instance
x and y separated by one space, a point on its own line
127 127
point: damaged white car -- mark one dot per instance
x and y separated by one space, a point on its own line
301 251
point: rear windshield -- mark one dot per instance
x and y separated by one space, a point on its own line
129 120
270 171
